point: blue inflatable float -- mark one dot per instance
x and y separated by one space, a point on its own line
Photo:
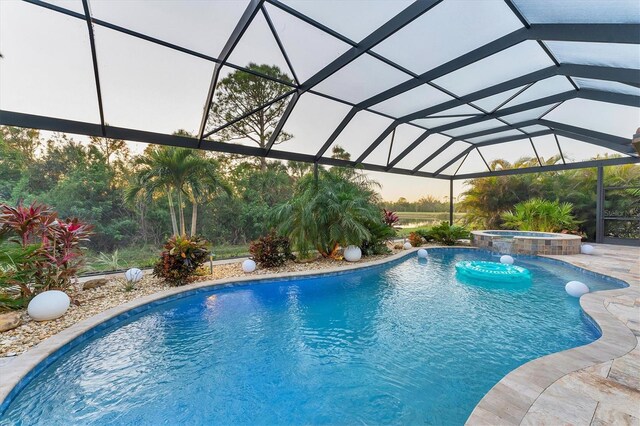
492 271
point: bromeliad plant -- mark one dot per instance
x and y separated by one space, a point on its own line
181 258
39 251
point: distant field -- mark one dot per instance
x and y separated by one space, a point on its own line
414 218
413 221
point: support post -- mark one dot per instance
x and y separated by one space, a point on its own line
450 201
600 206
315 174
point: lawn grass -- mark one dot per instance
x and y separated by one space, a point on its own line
145 256
404 232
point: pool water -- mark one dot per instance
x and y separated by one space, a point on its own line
405 343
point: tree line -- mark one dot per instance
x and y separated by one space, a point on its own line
143 199
487 199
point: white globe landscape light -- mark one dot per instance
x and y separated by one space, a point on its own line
576 288
422 254
352 254
133 275
506 259
49 305
248 265
407 245
587 249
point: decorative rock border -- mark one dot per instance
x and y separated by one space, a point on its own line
506 403
530 244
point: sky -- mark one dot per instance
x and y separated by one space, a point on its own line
47 70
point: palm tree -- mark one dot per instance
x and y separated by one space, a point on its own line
179 171
537 214
333 213
153 177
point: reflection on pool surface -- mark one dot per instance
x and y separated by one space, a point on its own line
403 343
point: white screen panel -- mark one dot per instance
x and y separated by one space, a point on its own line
361 131
520 59
580 11
542 89
422 151
37 76
150 87
339 14
308 48
607 86
309 133
603 117
423 96
575 151
602 54
442 34
404 135
361 79
203 26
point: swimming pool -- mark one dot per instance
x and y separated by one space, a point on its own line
402 343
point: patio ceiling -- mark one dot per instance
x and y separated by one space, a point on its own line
433 88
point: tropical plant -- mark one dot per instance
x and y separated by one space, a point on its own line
328 213
389 217
180 259
381 233
17 270
107 262
487 198
40 252
271 250
179 171
541 215
415 239
447 234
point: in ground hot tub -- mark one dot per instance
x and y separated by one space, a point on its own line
527 242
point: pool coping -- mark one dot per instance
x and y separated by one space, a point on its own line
506 403
509 400
556 235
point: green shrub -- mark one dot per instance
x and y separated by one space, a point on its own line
425 233
271 251
447 234
377 242
540 215
180 259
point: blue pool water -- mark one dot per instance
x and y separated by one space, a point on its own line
405 343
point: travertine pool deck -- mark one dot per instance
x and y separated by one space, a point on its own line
596 384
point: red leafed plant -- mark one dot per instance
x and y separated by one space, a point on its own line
181 258
389 217
40 251
271 250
